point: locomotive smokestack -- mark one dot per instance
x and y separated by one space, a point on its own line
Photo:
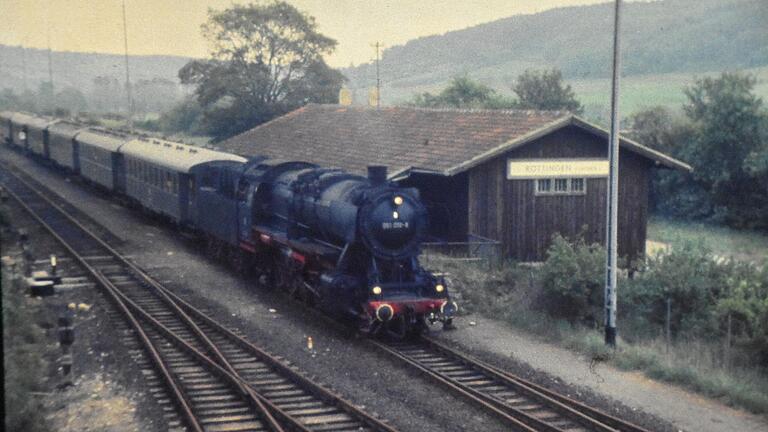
377 174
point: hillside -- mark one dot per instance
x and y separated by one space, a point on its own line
78 70
670 36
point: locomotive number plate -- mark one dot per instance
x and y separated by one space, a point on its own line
394 225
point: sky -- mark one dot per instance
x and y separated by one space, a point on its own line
173 26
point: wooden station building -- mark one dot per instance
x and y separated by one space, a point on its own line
515 176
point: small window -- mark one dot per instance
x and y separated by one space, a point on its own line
543 186
561 186
577 185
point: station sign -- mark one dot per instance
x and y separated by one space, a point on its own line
552 168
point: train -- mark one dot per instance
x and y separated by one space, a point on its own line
344 243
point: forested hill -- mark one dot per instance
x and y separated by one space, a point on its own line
657 37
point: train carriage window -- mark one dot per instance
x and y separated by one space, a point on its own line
168 182
561 185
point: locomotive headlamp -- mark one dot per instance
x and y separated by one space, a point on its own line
376 290
439 288
395 215
398 200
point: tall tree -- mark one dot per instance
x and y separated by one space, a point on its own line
266 59
545 90
462 92
729 146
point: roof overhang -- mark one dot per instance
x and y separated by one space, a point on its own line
659 158
404 173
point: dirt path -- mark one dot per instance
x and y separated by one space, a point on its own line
687 411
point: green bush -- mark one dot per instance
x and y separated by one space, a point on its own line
704 291
572 278
23 345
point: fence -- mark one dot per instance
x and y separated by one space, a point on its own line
478 249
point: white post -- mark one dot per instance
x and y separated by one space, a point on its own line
613 190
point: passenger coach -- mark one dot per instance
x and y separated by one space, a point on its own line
99 157
21 126
164 176
5 127
63 147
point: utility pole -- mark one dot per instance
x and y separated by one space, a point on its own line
613 190
24 66
378 77
127 72
50 62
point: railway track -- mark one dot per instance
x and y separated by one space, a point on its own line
524 405
224 357
217 379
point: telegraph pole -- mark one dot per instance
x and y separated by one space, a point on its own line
50 62
127 72
613 190
378 78
24 66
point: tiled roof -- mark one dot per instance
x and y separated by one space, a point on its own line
445 141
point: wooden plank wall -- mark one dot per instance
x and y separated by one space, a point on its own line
446 200
508 210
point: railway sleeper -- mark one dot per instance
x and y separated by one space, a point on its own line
350 426
222 418
325 419
215 398
237 427
301 412
208 392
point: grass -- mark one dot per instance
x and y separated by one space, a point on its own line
638 92
511 292
722 241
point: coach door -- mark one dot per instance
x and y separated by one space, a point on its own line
187 199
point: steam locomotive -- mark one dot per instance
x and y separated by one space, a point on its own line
344 243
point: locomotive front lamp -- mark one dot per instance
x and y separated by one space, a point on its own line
376 290
395 215
398 200
439 288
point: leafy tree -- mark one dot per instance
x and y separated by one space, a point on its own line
184 117
266 60
72 100
462 92
672 193
729 145
545 90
